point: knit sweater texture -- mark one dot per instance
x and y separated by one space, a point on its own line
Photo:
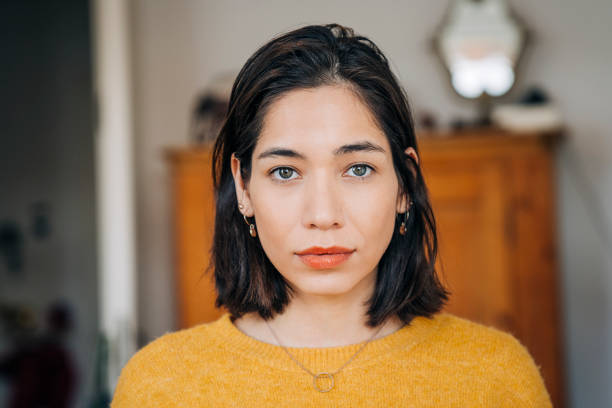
443 361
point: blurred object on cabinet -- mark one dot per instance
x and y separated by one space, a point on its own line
494 200
208 113
527 118
533 112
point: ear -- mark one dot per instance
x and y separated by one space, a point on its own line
412 153
242 195
401 202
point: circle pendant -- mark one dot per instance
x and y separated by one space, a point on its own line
323 375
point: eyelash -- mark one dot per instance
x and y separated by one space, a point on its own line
282 180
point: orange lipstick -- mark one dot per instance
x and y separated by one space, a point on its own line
324 258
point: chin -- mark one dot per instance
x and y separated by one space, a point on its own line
332 284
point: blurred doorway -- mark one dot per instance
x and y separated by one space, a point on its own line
47 198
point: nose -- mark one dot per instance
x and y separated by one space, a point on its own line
322 207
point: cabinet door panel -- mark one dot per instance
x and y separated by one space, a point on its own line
469 204
193 231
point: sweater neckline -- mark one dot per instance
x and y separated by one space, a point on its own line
326 358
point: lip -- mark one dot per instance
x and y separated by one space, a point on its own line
324 258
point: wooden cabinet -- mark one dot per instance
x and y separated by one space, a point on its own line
493 197
494 201
193 208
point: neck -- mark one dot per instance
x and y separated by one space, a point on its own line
317 321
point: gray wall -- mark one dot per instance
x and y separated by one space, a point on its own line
180 46
46 154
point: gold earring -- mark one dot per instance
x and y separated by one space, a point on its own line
402 228
251 227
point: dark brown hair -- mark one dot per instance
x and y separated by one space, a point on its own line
308 57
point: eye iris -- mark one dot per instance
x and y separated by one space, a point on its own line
359 170
285 172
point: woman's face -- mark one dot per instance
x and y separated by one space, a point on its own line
322 176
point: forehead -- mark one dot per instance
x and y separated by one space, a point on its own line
320 118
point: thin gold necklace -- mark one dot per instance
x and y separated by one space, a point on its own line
323 374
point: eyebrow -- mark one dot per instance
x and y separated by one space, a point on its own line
344 149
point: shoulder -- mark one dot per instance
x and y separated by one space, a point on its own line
497 354
163 362
480 343
469 336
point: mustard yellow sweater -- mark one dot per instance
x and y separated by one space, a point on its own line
445 361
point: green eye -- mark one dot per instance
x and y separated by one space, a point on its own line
284 173
361 170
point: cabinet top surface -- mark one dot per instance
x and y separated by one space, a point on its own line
426 139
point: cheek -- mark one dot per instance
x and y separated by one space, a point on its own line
373 215
276 216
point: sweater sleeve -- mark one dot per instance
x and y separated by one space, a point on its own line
522 380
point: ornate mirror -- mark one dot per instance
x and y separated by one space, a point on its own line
480 43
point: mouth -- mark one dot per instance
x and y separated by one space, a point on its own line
324 258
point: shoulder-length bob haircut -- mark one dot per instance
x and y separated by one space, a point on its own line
309 57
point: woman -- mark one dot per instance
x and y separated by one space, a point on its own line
324 253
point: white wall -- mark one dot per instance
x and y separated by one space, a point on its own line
179 46
115 183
